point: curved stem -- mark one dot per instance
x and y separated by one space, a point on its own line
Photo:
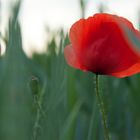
38 100
102 110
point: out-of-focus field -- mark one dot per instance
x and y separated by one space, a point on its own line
42 98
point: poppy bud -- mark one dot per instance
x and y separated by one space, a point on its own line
34 85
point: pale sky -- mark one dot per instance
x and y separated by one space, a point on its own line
36 14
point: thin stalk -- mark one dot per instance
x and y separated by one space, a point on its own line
36 123
101 107
38 100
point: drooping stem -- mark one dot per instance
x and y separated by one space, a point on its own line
38 94
101 107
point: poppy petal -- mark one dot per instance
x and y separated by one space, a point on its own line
76 33
131 71
70 56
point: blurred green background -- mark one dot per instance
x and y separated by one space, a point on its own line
42 98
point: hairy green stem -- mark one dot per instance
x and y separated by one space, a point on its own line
102 110
38 99
37 119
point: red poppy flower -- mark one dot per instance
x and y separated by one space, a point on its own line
99 44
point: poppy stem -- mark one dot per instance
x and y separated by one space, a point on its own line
101 107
